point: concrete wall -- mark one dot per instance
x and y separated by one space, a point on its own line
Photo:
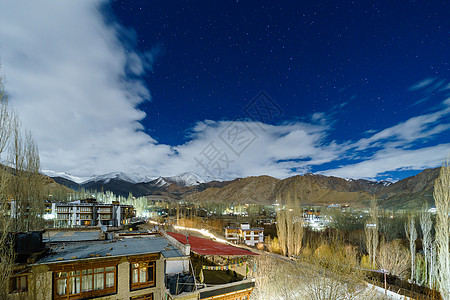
177 265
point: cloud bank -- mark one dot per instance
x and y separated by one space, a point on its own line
76 82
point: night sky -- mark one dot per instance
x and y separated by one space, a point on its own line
308 57
355 88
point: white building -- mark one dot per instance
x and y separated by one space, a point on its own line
245 234
88 212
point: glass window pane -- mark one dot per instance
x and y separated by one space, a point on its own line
109 269
142 275
99 281
88 271
134 277
99 270
61 285
61 274
150 274
74 285
87 283
109 279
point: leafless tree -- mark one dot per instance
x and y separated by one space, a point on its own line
298 235
426 225
6 251
371 231
411 234
282 231
289 225
25 186
442 227
394 257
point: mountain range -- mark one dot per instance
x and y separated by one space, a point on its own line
314 189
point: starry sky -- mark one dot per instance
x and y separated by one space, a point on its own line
350 88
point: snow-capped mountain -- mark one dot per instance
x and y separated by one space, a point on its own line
188 179
127 177
70 177
184 179
160 182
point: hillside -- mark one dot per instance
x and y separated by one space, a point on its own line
49 185
314 189
411 192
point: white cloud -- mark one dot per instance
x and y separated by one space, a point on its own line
392 160
421 84
67 76
411 131
398 147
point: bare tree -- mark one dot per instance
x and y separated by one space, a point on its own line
290 226
426 225
282 231
25 186
442 227
290 231
371 231
411 234
394 257
298 235
6 250
33 181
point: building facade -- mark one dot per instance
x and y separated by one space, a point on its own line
88 212
244 234
128 268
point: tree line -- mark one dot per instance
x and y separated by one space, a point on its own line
21 187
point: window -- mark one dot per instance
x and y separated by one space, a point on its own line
85 282
143 297
18 284
142 274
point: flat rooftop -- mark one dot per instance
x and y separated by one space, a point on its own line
71 236
111 248
208 247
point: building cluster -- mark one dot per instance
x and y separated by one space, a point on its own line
244 234
86 264
88 212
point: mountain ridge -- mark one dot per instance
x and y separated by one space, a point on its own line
315 189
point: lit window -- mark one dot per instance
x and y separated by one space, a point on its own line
85 283
19 284
142 274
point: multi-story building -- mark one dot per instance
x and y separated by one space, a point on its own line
88 212
244 234
232 234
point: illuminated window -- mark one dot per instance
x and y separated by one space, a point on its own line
142 274
18 284
85 282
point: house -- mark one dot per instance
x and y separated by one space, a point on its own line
251 236
244 234
123 268
232 234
